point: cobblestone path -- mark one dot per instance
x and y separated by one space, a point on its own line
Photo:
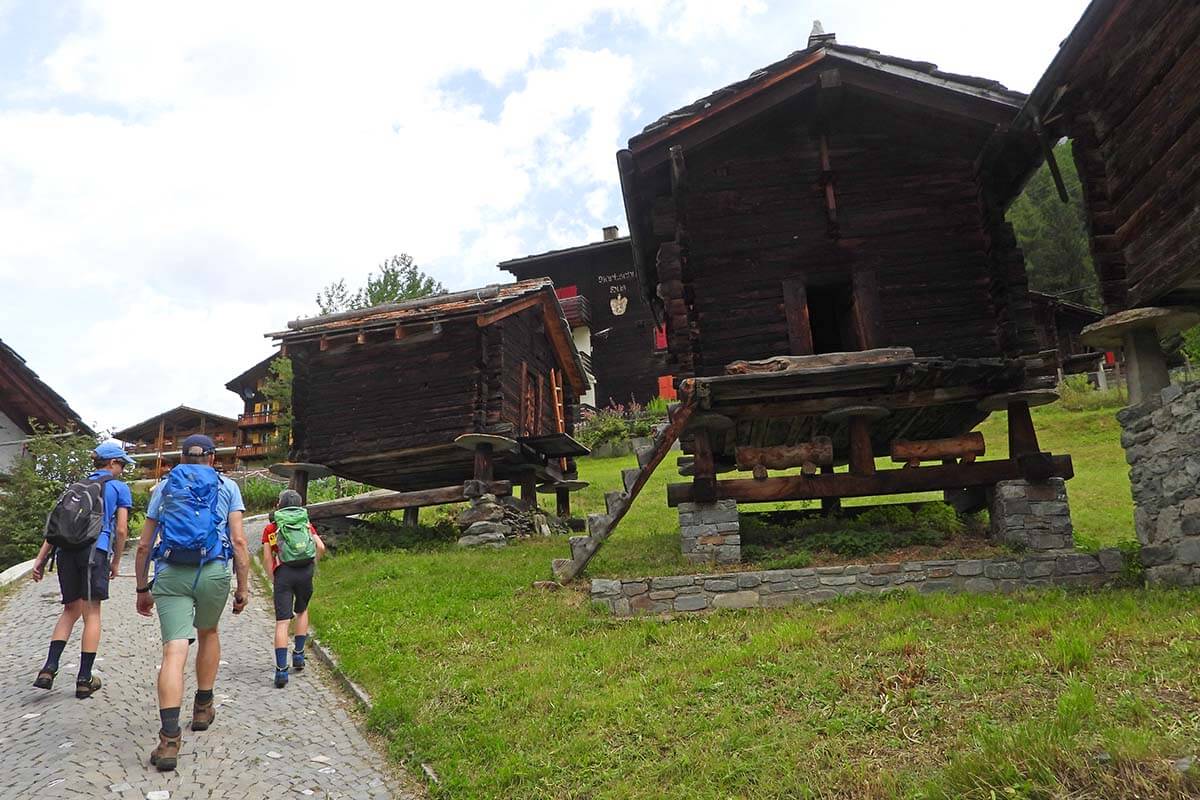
265 743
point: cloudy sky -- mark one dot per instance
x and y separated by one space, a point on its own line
177 179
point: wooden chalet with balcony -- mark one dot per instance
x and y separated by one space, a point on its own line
622 348
438 397
256 424
155 443
825 243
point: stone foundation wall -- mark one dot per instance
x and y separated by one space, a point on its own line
774 588
710 532
1031 516
1161 438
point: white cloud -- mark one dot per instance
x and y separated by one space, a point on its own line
208 167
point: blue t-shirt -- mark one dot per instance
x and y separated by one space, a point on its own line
116 495
229 500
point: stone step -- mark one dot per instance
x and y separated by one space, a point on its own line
629 477
597 525
614 501
560 567
644 455
581 546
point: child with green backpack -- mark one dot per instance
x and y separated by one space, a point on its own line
291 548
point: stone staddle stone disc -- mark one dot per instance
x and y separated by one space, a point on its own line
570 486
843 414
1110 331
1032 397
287 469
501 444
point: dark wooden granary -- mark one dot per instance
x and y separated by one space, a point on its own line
389 395
1123 88
1059 325
825 242
628 351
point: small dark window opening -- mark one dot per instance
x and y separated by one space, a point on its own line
831 318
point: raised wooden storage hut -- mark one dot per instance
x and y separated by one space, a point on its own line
390 395
825 242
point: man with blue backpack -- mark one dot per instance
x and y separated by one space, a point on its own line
193 529
85 533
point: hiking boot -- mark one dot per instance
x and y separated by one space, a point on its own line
281 678
45 679
297 661
166 755
203 715
86 688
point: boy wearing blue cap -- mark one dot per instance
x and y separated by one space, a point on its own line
84 570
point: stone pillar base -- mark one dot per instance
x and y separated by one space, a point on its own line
710 532
1031 516
1159 437
482 524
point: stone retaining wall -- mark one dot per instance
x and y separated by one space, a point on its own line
775 588
1161 438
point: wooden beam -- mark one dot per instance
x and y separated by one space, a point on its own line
704 466
892 481
818 452
395 501
1022 436
484 466
967 447
299 483
905 400
516 307
827 181
562 499
795 308
412 516
830 505
862 458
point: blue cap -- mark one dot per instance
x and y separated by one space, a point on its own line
198 445
112 450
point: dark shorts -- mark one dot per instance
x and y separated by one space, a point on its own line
82 574
293 589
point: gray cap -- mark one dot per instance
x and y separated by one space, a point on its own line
290 498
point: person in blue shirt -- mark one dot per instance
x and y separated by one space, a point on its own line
191 596
83 574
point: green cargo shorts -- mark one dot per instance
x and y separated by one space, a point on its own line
186 602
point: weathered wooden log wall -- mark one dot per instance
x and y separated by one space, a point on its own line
927 265
1133 116
386 395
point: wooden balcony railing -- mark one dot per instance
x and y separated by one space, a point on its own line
254 420
251 450
577 311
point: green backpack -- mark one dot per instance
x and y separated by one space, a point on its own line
292 536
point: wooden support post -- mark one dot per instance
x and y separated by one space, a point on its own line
412 517
529 490
862 459
483 463
562 499
299 482
705 478
1022 437
830 505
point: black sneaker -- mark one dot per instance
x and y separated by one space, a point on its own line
45 679
281 678
86 688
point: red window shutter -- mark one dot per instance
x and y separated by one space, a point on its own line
660 337
666 387
567 291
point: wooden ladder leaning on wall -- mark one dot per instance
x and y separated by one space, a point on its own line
601 526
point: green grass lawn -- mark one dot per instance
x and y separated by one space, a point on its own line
510 692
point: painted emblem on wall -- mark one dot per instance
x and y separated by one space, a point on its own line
618 304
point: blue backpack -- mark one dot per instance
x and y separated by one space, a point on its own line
187 519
